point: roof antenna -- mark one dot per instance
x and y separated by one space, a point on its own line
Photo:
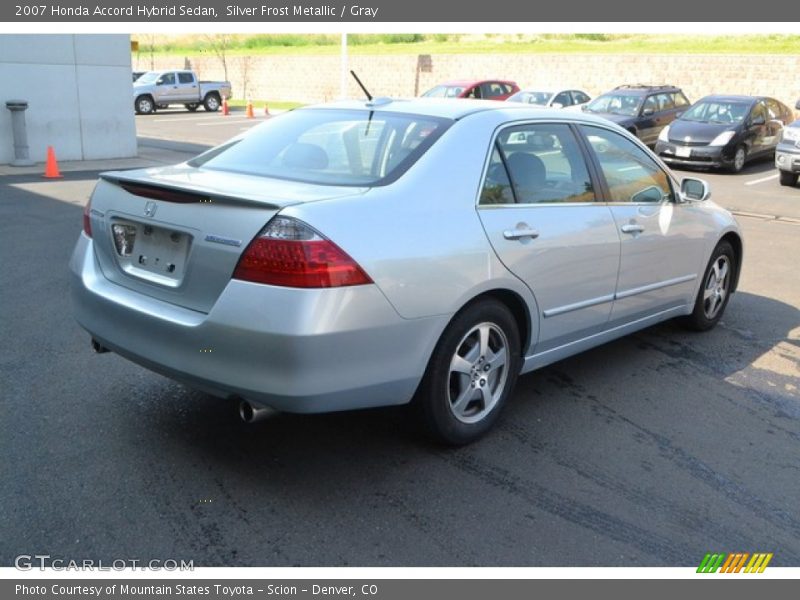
361 85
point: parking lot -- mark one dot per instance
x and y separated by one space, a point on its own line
651 450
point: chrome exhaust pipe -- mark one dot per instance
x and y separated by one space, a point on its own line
98 347
250 413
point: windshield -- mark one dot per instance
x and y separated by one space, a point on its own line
330 147
149 77
444 91
616 104
538 98
717 112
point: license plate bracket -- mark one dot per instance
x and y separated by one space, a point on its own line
683 151
157 254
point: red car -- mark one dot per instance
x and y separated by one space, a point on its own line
488 89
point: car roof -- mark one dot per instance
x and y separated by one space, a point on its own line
466 82
456 108
731 98
641 90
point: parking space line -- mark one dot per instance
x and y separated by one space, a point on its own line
762 180
198 118
253 121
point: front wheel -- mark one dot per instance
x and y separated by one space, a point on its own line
144 105
716 289
471 373
788 178
739 159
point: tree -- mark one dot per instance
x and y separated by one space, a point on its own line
220 42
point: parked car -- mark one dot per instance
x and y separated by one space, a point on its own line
159 89
644 110
787 154
137 74
724 131
324 261
488 89
552 99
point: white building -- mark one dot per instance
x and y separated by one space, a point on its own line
78 89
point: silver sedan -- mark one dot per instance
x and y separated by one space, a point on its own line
359 254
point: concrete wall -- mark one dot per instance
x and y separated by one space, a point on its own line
316 78
79 92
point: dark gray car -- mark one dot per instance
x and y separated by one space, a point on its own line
644 110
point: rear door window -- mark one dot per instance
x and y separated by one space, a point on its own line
535 164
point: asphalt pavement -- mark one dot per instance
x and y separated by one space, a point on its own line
651 450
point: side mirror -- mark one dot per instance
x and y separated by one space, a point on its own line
160 81
557 105
647 112
695 189
758 121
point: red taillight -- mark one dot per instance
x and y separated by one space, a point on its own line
289 253
87 219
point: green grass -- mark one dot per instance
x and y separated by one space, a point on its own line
360 44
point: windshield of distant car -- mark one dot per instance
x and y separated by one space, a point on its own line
149 77
538 98
444 91
717 112
329 147
616 104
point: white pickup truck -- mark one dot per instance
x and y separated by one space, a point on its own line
159 89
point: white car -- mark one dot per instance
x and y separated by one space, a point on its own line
569 99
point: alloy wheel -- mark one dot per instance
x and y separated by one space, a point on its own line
716 287
478 372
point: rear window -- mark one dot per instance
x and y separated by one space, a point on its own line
330 147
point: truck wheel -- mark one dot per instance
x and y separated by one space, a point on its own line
788 178
192 107
144 105
211 102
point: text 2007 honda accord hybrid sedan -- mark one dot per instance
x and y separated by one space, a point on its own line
370 254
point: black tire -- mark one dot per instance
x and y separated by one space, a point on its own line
737 165
787 178
701 318
212 102
192 107
483 389
144 105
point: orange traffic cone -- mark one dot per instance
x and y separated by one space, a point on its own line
266 111
225 110
51 166
249 111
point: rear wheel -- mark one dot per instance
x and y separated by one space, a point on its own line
788 178
211 102
471 373
713 296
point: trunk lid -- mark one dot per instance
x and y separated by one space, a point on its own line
176 233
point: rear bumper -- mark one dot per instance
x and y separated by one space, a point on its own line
701 156
291 349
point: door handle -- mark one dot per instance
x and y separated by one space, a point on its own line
516 234
632 228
